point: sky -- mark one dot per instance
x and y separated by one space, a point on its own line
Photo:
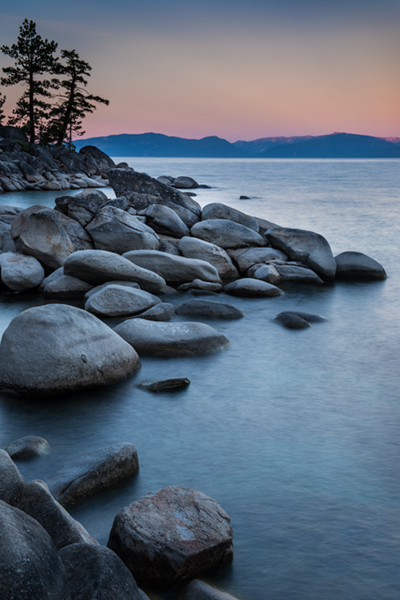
240 70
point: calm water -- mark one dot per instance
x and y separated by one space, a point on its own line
295 433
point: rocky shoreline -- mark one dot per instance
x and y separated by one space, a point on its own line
125 258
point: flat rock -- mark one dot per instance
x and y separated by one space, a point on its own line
226 234
252 288
30 568
209 310
99 266
119 300
28 447
356 265
171 339
307 247
165 220
117 231
167 385
56 348
96 573
195 248
93 472
11 480
38 502
20 272
215 210
161 312
199 590
254 256
172 536
174 269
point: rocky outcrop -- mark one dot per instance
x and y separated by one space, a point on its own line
172 536
69 349
93 472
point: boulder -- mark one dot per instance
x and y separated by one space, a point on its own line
97 573
11 480
99 266
356 265
199 590
119 300
28 447
6 241
115 230
205 309
66 287
185 182
252 288
161 312
37 502
8 213
104 162
216 210
294 273
20 272
56 348
266 273
167 385
174 269
48 235
253 256
291 320
226 234
307 247
164 220
171 339
30 568
96 289
195 248
93 472
172 536
83 206
201 286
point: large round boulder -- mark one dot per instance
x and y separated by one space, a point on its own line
56 348
216 210
227 234
30 568
356 265
171 339
164 220
195 248
172 536
20 272
120 300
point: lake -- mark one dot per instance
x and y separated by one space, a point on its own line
294 433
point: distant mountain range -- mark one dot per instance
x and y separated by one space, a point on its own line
335 145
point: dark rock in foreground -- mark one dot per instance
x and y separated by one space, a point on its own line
93 472
172 536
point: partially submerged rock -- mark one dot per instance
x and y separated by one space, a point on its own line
172 536
356 265
118 300
209 310
252 288
171 339
297 319
28 447
167 385
56 348
93 472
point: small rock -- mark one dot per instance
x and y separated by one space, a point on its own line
291 321
28 447
167 385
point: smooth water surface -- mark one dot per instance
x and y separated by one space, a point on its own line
295 433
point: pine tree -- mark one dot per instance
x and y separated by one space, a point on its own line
75 102
33 58
2 100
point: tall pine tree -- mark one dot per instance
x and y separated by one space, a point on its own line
34 57
2 115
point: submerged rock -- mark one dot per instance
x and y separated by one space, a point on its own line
167 385
56 348
172 536
28 447
298 319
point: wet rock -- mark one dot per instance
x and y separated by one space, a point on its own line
252 288
174 269
93 472
99 266
56 348
20 272
28 447
172 536
11 480
309 317
30 568
96 573
356 265
222 211
118 300
199 590
171 339
291 320
164 220
307 247
167 385
209 310
38 502
196 248
226 234
115 230
161 312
